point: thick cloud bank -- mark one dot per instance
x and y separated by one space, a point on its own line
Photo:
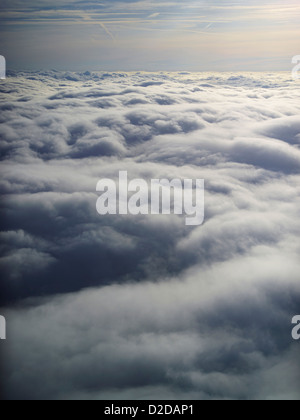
144 307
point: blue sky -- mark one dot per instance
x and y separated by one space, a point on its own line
150 35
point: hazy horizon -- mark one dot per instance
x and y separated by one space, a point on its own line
179 71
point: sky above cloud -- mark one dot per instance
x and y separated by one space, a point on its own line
150 35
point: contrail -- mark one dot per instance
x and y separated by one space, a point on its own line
107 31
153 16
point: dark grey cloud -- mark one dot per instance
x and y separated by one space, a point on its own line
145 307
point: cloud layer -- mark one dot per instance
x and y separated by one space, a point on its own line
143 306
196 35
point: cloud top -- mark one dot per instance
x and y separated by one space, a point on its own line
140 306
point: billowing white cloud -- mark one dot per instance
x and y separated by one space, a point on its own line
144 306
